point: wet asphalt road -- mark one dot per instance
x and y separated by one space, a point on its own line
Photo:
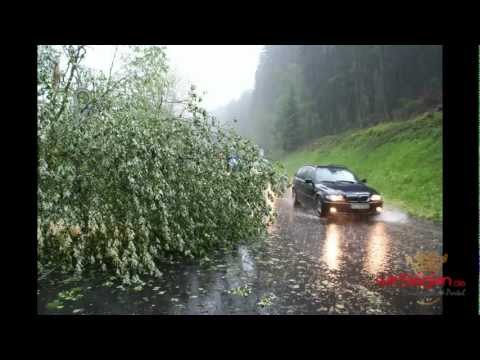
305 266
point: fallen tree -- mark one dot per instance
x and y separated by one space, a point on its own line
124 181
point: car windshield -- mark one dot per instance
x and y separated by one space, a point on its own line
334 175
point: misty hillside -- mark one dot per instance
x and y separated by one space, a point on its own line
303 92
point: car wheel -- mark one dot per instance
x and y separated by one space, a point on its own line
295 201
319 207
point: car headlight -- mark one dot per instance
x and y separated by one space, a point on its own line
335 197
375 197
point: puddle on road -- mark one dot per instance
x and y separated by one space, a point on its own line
305 266
390 215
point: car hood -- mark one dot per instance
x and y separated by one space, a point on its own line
345 187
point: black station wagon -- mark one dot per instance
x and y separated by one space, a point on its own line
333 189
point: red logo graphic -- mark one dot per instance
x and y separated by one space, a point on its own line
426 281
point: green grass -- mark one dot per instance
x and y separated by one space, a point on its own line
402 160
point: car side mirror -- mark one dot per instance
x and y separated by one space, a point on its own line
364 180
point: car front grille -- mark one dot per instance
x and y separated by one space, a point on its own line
357 197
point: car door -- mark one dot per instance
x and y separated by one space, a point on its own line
299 184
309 188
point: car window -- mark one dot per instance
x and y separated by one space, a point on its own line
310 172
334 174
301 173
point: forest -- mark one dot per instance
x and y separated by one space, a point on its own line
305 92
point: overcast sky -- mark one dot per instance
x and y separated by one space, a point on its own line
223 71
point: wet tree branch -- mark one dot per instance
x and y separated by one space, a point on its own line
74 63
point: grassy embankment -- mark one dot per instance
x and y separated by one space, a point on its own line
402 160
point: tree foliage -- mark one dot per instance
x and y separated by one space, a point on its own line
124 181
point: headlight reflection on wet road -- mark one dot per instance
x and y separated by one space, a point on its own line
331 248
378 246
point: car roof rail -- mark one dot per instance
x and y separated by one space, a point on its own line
333 165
